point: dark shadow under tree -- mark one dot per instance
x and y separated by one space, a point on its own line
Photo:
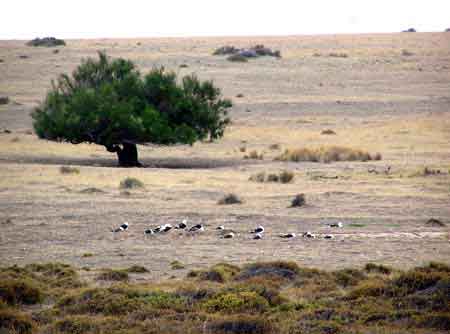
108 102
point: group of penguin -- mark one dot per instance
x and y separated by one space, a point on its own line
258 232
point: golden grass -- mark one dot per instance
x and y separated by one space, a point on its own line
327 155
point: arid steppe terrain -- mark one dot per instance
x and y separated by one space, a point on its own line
389 94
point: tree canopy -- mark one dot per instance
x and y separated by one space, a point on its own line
108 102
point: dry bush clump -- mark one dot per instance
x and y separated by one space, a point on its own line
407 53
281 177
255 155
131 183
137 269
328 132
69 170
230 199
338 55
327 155
298 201
113 275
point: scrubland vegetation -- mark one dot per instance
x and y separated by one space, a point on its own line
271 297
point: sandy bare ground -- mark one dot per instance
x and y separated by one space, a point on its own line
376 99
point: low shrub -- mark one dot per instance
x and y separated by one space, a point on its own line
328 132
230 199
131 183
176 265
15 322
20 291
237 58
69 170
221 272
242 324
377 268
239 302
254 155
113 275
298 201
277 269
137 269
282 177
76 325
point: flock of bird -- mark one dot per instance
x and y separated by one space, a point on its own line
257 233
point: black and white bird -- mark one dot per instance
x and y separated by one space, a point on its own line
338 224
328 236
308 235
259 229
229 235
166 228
182 225
121 228
221 227
149 231
197 228
258 236
288 235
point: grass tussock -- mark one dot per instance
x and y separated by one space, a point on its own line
255 155
298 201
137 269
131 183
284 176
327 155
69 170
113 275
230 199
275 297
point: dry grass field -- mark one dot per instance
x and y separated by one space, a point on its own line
379 99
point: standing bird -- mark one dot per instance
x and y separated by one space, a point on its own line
259 229
121 228
182 225
328 236
197 228
288 235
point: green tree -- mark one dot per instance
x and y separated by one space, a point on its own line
108 102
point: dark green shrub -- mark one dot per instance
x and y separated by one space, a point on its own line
276 269
109 103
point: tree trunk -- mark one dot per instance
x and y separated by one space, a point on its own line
127 154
